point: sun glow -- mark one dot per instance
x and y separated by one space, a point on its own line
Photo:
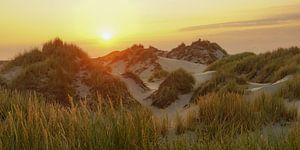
106 36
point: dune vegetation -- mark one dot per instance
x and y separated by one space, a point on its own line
222 122
221 82
158 74
2 82
291 90
32 115
135 54
265 67
27 122
53 70
177 83
136 79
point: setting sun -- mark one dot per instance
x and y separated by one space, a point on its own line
106 36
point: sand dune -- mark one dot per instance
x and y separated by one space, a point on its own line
271 88
174 64
176 108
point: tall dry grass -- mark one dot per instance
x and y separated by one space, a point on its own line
221 82
291 90
222 122
27 122
230 114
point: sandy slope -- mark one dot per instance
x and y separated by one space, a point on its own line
202 77
118 67
82 90
174 64
178 107
256 89
271 88
171 112
11 74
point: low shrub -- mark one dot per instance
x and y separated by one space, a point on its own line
178 82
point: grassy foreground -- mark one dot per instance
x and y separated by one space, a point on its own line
223 122
27 122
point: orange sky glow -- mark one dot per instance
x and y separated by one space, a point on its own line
101 26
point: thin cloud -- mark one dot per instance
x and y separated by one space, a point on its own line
249 23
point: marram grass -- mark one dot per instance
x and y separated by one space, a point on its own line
28 122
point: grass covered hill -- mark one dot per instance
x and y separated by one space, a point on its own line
235 73
201 51
56 68
265 67
220 83
134 57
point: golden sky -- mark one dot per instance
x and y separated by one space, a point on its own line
237 25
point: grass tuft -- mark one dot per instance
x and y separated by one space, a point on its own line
291 90
158 74
221 82
178 82
230 114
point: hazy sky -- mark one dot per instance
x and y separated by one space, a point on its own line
237 25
